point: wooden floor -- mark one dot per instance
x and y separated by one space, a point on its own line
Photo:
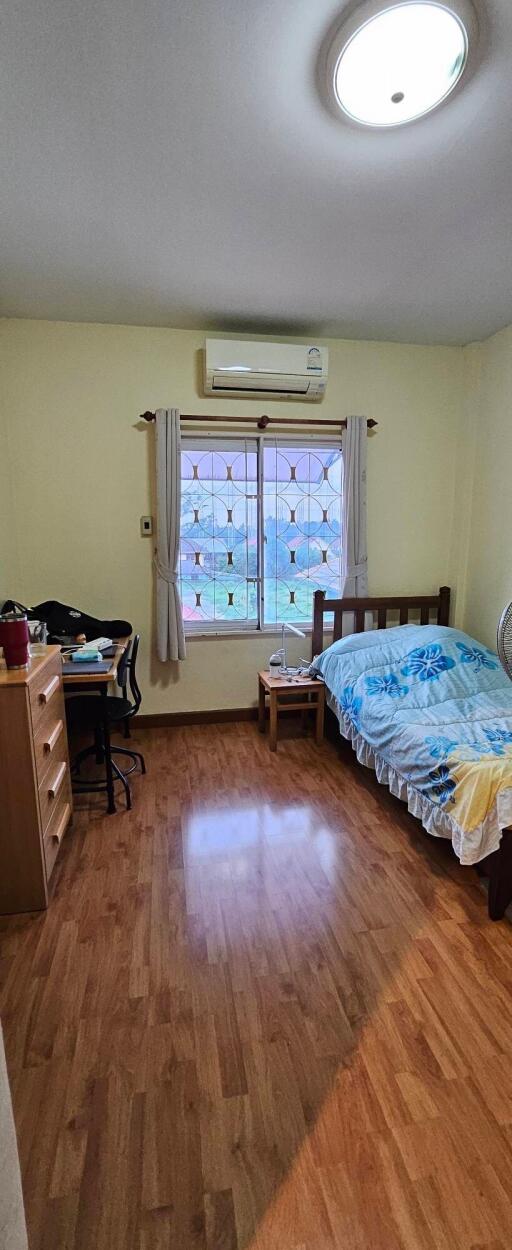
263 1012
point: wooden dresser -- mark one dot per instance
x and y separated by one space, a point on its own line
35 790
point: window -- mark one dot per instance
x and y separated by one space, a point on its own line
301 528
219 532
260 530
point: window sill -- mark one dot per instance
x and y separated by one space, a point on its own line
270 631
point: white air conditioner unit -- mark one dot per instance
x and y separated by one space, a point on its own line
278 370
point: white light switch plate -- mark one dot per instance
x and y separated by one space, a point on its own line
146 526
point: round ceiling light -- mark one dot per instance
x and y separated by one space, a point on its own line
391 65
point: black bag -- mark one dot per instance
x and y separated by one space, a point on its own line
65 622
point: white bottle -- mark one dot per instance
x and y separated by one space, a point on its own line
275 664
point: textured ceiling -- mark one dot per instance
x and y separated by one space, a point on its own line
170 162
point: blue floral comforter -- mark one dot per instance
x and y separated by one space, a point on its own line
431 710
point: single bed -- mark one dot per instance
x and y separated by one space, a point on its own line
430 710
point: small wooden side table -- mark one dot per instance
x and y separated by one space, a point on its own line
282 695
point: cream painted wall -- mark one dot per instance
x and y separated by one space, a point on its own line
9 573
488 573
82 476
463 481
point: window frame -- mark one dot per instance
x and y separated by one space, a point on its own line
257 441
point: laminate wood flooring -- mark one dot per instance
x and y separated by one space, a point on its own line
263 1012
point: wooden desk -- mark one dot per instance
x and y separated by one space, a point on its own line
95 681
99 682
282 695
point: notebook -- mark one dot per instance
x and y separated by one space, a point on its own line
69 668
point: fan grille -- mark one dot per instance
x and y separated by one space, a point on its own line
505 640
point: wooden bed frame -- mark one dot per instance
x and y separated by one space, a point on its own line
425 610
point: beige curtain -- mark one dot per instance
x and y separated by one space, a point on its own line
354 553
169 620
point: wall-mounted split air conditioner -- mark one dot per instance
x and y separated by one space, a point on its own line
267 370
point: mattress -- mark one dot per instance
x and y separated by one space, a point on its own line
430 709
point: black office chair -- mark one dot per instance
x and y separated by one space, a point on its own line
85 712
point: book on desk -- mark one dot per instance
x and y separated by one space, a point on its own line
71 669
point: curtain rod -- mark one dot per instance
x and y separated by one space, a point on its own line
262 422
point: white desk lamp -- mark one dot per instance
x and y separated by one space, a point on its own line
284 671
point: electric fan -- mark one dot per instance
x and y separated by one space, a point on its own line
504 640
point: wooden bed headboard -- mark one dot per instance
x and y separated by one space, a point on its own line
424 606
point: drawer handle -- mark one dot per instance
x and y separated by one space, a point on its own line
61 827
46 694
53 737
55 786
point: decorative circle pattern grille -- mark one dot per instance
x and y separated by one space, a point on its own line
300 519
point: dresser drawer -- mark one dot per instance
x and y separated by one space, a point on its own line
49 736
35 790
55 784
54 834
45 689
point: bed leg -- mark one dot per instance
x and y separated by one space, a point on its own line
499 868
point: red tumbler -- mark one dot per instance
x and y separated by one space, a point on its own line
14 640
